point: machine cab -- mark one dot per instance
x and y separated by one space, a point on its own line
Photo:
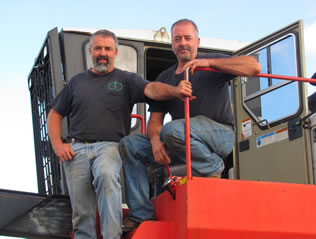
272 140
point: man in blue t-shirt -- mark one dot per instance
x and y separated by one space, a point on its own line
211 122
98 104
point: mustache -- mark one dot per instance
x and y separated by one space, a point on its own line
184 48
102 58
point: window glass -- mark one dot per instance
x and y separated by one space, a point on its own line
273 99
283 58
280 103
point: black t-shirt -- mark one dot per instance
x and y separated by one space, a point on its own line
99 106
210 88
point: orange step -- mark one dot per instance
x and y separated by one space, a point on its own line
219 208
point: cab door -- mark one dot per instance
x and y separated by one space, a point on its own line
271 142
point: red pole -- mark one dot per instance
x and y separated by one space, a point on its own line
292 78
142 120
187 129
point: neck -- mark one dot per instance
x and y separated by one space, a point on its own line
179 67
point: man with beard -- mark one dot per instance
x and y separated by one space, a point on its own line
98 104
211 122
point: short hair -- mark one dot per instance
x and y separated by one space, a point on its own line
104 33
185 20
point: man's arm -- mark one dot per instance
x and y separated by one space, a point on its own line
63 151
239 65
153 132
161 91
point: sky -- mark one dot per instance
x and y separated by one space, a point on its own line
25 23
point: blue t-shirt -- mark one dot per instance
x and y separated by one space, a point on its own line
210 88
99 106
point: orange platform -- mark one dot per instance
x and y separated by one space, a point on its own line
220 208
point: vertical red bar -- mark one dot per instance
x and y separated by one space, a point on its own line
142 120
187 129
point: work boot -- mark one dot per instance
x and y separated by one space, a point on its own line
214 176
129 225
217 174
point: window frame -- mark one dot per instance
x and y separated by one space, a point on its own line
263 123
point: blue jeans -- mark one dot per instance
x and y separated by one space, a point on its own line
210 143
93 179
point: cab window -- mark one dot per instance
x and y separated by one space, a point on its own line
270 100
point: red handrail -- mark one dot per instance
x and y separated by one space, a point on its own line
142 122
292 78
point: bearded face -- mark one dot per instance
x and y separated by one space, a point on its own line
103 53
102 64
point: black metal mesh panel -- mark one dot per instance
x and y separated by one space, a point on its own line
41 92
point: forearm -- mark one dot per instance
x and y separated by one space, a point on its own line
63 151
153 131
160 91
155 124
240 65
54 127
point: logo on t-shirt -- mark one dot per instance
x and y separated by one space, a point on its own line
115 86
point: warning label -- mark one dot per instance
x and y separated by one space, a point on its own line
246 128
272 137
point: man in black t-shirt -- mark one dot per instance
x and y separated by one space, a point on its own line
211 122
98 104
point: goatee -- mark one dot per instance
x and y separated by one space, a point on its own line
102 67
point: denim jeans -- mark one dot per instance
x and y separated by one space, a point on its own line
93 179
210 143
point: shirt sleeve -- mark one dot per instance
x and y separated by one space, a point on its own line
62 102
154 105
137 87
221 77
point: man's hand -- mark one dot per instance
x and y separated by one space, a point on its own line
184 89
238 65
64 152
160 153
196 63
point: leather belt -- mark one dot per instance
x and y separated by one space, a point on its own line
81 141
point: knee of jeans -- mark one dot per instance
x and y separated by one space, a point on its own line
126 140
124 145
107 177
170 134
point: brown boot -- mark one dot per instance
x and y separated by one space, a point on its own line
129 225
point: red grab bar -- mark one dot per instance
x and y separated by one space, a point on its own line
142 122
292 78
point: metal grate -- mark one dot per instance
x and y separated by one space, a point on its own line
41 92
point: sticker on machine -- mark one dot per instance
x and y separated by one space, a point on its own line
246 128
272 137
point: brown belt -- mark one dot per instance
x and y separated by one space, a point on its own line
81 141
